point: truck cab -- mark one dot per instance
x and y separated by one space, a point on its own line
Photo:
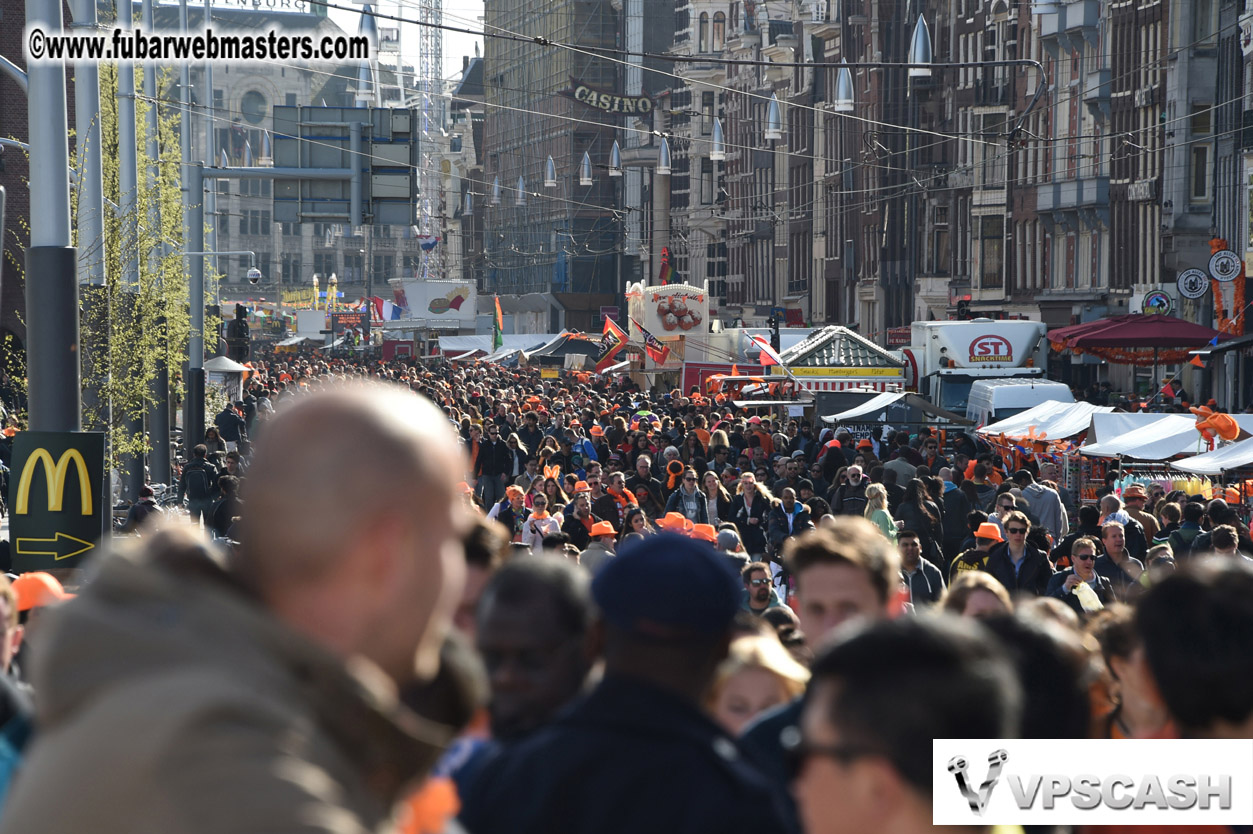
947 358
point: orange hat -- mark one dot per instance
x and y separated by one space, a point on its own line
596 431
988 530
1134 491
603 528
705 532
514 491
582 486
865 443
37 589
675 522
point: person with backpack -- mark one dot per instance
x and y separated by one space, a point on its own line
198 484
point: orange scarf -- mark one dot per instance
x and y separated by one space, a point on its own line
536 515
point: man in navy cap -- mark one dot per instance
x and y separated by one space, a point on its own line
638 752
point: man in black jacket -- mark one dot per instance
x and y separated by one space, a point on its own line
491 465
1017 565
594 770
850 498
199 483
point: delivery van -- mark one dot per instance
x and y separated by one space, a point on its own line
993 400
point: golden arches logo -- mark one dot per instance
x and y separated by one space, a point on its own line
55 474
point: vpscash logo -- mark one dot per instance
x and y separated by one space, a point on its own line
1093 781
978 799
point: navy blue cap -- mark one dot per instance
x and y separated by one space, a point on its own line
667 587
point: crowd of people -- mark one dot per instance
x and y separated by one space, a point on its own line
464 598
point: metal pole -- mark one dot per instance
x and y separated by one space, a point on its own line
210 147
354 162
159 469
51 283
91 267
193 429
128 184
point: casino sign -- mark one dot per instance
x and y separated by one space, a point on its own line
610 102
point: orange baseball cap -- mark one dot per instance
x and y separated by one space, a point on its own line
603 528
37 589
988 530
705 532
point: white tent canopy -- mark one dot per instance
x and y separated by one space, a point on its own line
1148 436
456 345
871 406
1223 459
1056 420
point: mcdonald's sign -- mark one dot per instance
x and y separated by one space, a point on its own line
59 498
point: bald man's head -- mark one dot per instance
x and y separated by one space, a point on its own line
351 508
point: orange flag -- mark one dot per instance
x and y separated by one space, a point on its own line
1196 360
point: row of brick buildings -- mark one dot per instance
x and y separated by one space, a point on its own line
1063 159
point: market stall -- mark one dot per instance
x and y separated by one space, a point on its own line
1050 419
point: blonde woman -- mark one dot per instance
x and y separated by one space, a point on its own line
759 673
877 511
750 513
976 594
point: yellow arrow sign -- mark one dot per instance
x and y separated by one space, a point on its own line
63 546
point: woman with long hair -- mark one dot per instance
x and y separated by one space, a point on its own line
635 522
757 675
692 449
717 499
556 495
750 511
920 514
877 511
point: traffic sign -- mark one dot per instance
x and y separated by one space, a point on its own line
54 524
1224 265
1193 283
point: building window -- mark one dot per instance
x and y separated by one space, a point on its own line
253 107
706 113
354 269
991 251
324 265
940 242
702 37
1204 21
291 268
719 31
735 16
706 181
1199 176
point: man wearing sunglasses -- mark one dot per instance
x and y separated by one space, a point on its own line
1083 558
1016 564
758 593
863 759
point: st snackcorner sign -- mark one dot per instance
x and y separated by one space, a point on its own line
59 499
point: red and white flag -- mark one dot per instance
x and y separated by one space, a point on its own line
768 354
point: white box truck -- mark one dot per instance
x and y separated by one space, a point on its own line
947 357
